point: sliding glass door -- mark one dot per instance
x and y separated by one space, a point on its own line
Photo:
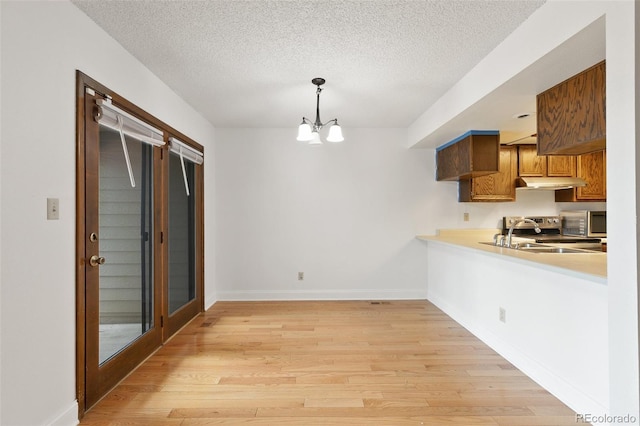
182 294
182 280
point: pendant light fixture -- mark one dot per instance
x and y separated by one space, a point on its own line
309 131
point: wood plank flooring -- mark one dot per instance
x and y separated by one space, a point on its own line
327 363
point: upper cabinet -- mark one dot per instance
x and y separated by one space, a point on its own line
500 186
561 166
473 154
530 164
592 168
571 115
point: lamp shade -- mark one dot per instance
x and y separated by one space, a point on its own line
304 132
315 139
335 134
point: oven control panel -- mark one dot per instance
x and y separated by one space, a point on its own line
543 222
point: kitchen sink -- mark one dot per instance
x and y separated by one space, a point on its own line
552 250
528 246
539 248
518 246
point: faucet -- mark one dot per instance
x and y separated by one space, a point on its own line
513 225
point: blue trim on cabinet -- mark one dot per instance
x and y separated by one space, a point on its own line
469 133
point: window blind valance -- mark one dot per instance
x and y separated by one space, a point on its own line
186 151
126 124
120 120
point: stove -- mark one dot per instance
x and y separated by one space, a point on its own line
550 230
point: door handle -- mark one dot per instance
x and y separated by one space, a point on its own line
96 260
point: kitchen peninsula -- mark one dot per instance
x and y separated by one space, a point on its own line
543 312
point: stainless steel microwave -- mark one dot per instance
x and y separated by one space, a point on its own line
584 223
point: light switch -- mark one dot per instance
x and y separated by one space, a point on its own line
53 208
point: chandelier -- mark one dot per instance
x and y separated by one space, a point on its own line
308 131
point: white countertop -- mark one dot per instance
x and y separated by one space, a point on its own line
590 263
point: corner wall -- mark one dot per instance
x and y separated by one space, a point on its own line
43 44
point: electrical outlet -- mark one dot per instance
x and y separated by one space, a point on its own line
300 276
502 315
465 216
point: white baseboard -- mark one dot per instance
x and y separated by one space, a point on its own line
575 399
68 417
209 302
320 295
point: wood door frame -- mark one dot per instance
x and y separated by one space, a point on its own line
160 214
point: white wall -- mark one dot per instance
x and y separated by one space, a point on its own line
43 43
344 214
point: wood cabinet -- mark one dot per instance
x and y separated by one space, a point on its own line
473 154
561 166
530 164
571 115
592 168
499 186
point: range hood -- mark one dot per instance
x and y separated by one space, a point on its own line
549 183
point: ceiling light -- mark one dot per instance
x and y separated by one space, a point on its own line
309 131
523 115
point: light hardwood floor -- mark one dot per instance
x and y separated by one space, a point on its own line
327 363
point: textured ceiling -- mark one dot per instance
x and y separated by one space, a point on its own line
250 63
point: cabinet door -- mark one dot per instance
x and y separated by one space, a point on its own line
530 164
592 168
448 162
497 186
571 116
561 166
